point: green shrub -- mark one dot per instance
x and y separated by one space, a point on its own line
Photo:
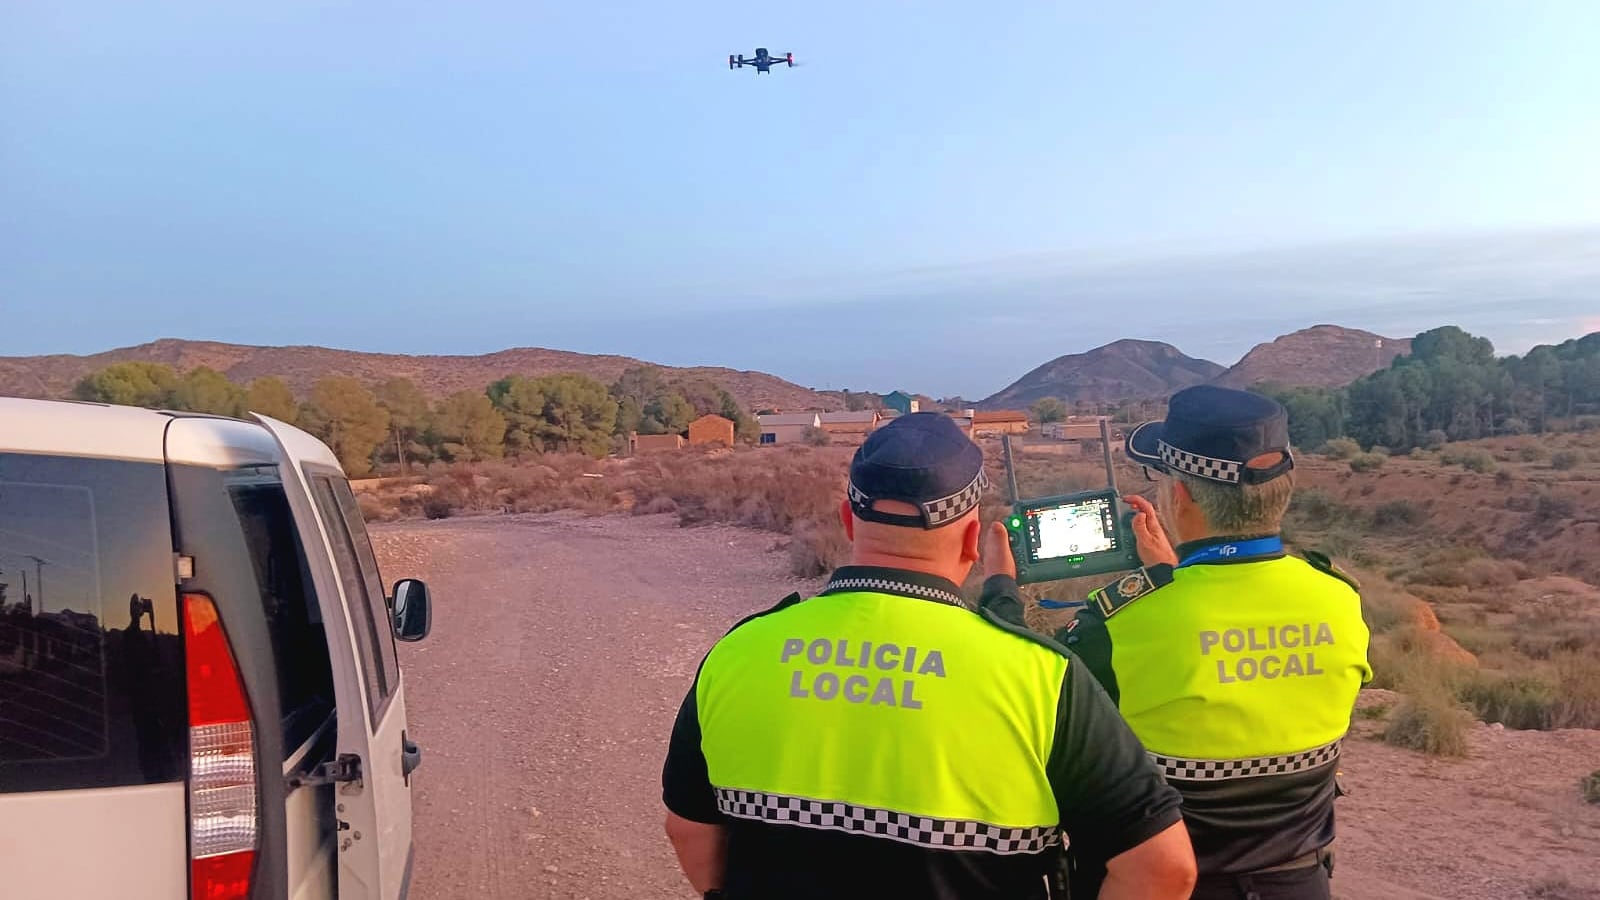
1315 507
1533 453
1520 702
1430 720
1340 448
1514 426
1564 460
816 437
1367 462
1435 439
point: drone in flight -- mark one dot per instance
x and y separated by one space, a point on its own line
763 61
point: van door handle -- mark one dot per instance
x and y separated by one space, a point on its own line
410 756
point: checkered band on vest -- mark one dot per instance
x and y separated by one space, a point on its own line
888 586
1180 769
1202 466
923 831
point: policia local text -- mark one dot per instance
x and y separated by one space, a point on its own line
1271 637
885 657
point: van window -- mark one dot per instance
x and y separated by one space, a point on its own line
358 572
294 620
91 669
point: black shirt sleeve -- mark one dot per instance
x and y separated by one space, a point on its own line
1089 638
1111 797
685 784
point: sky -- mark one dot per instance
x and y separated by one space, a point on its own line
939 197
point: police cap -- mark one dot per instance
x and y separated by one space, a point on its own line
1213 433
922 459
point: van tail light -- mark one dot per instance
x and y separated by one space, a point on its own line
223 817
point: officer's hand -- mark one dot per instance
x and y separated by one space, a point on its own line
997 558
1154 546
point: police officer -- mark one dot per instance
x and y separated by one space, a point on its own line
881 739
1235 663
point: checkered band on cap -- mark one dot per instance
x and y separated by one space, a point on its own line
1225 470
936 512
1179 768
923 831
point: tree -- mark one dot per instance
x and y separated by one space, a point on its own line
208 391
470 428
344 414
580 412
409 418
270 397
667 413
1050 409
521 401
129 384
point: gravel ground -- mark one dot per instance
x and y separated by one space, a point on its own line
562 646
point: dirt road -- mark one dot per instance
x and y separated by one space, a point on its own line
562 646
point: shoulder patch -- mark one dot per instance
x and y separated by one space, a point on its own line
1325 564
1114 597
1022 631
785 603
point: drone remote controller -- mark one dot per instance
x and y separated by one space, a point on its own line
1071 535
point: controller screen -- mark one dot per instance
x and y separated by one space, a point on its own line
1072 530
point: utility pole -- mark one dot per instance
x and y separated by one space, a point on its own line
38 580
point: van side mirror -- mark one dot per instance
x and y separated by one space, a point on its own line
412 610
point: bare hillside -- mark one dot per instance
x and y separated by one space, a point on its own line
1125 369
54 376
1319 356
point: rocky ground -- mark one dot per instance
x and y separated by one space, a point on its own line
562 646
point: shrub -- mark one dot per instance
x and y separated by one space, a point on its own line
817 548
816 437
1503 476
1521 702
438 506
1549 508
1340 448
1314 506
1514 426
1398 514
1430 720
1367 462
1587 423
1435 439
1591 787
1478 461
1564 460
656 506
1533 453
1578 684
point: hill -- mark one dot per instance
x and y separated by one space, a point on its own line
1122 370
437 376
1319 356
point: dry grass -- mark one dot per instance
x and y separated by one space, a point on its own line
1578 685
1430 720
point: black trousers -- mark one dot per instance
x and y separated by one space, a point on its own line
1308 883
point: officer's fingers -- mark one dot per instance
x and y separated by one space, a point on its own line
1139 504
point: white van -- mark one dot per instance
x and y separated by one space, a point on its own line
199 695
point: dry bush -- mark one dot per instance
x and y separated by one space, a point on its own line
1521 702
660 505
1463 567
1368 462
1560 889
1410 659
1340 448
1384 606
1564 460
1398 515
1533 453
1590 787
817 548
1578 684
1430 720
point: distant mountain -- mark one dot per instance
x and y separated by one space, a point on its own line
1319 356
1122 370
437 376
